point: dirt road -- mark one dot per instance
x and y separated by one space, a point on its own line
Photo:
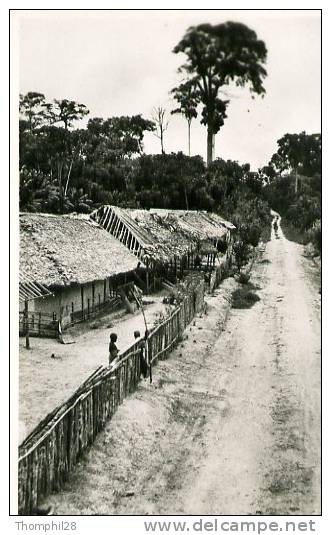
231 423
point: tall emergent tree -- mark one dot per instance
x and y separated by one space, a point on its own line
67 111
188 98
216 56
32 110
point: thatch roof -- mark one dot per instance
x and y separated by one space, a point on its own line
196 224
220 221
61 250
161 234
30 289
161 239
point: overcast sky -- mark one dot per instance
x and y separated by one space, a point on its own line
121 63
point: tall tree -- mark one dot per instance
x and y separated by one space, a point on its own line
161 122
116 138
187 97
217 56
66 112
299 154
32 109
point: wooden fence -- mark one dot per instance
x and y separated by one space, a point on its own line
47 325
89 313
50 452
40 324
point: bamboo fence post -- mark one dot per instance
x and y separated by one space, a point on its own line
26 314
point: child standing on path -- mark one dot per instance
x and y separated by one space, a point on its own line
113 350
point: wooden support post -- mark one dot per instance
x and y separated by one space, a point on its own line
147 279
82 299
126 301
141 283
93 296
26 315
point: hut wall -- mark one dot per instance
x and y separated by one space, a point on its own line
45 305
70 296
73 297
71 304
64 299
90 303
31 305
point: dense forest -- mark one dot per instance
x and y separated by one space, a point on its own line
66 167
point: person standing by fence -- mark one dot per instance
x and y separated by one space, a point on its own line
141 345
113 350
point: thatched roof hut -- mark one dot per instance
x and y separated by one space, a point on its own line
166 240
161 235
199 225
58 251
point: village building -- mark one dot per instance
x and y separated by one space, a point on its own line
170 242
70 270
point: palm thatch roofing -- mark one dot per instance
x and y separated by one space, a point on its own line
220 221
197 224
161 239
163 235
29 289
61 250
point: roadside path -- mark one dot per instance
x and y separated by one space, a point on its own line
231 423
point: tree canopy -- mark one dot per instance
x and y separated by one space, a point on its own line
187 98
215 57
299 153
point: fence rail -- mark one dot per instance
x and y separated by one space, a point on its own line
47 325
51 450
79 316
39 323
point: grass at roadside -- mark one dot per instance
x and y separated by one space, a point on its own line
244 297
266 233
292 233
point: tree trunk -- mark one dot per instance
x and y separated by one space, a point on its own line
296 181
68 178
186 199
210 146
162 146
189 137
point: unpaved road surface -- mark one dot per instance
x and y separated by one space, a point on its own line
231 423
